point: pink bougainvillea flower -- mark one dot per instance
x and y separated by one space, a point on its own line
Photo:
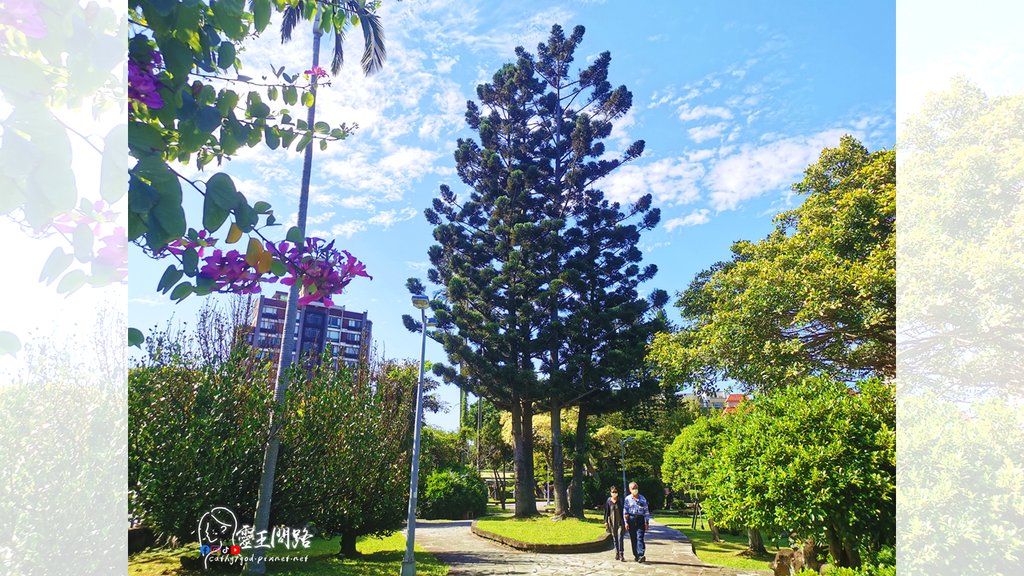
22 15
316 71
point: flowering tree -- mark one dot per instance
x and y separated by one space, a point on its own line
184 108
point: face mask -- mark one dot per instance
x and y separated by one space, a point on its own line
635 492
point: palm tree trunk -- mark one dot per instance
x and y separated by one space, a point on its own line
262 522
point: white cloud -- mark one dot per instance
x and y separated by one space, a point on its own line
756 170
319 218
702 133
150 300
445 63
418 265
687 114
694 218
654 38
348 228
700 155
670 181
388 218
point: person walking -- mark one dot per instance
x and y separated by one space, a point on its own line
637 515
615 523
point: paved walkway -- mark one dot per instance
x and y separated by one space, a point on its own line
668 552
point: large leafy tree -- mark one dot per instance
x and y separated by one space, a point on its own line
814 458
961 272
536 265
816 297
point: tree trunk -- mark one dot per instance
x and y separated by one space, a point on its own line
836 548
576 502
714 531
522 436
558 463
266 491
348 545
755 544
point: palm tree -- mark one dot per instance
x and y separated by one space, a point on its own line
373 61
374 52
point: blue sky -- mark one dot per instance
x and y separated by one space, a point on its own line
733 100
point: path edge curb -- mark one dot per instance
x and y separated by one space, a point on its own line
599 545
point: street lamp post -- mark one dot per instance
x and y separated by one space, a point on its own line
622 447
409 562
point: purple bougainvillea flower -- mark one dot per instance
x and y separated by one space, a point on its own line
143 84
22 15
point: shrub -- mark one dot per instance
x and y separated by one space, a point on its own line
654 490
451 493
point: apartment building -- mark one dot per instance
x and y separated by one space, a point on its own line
345 334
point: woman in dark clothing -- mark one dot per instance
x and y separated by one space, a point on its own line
614 523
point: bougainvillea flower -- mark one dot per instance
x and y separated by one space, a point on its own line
143 83
316 71
22 15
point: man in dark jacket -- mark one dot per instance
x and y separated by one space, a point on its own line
613 521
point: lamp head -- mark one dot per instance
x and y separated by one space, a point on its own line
421 302
431 322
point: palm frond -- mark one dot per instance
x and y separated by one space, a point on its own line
339 54
289 21
375 53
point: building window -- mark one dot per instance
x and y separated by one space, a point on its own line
355 324
335 350
270 311
266 325
314 319
351 350
334 335
334 322
353 337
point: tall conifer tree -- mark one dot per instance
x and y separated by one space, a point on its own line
540 271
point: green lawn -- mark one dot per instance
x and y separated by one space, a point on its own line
731 552
380 557
542 530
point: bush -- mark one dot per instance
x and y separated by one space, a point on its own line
595 490
451 493
654 490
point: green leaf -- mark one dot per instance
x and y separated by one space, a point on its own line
141 196
177 58
322 127
9 343
190 261
277 268
207 119
226 101
55 265
245 217
307 99
272 137
306 139
221 199
272 92
271 220
144 138
291 95
135 338
170 277
113 184
181 291
164 7
261 14
261 207
287 137
71 282
229 15
295 236
259 110
323 145
226 56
